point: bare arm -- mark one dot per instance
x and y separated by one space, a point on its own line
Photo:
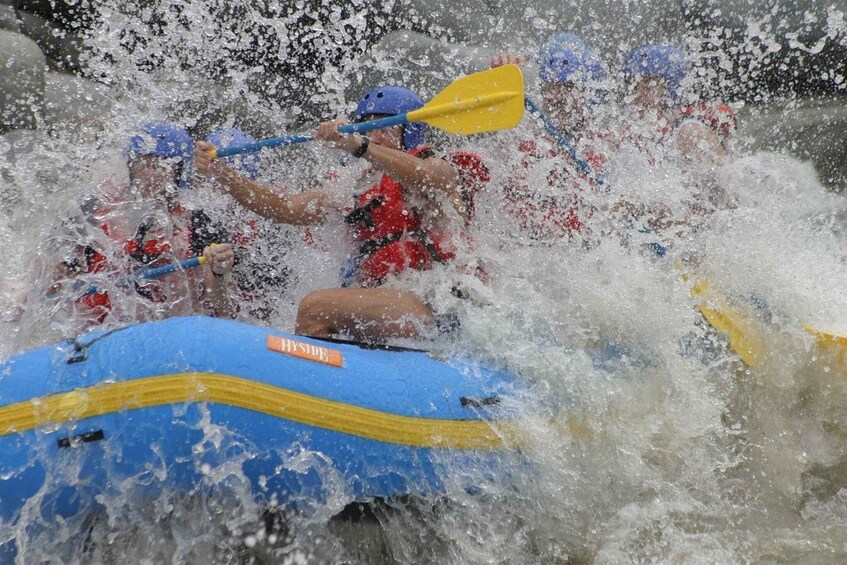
424 177
699 143
217 288
507 59
415 174
305 209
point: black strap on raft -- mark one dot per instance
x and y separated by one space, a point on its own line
80 348
374 346
87 437
479 402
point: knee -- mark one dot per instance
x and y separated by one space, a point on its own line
411 305
312 319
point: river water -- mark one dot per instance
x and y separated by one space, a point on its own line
649 441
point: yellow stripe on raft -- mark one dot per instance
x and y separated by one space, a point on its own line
217 388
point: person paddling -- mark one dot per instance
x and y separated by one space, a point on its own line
571 85
657 115
146 225
262 273
660 129
411 215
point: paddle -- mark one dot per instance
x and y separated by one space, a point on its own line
559 137
156 272
830 343
746 337
491 100
744 340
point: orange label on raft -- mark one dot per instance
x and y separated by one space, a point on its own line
306 351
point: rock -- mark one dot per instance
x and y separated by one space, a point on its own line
810 129
9 18
14 147
21 81
62 46
75 105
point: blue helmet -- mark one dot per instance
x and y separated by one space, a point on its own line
662 61
168 141
392 101
247 163
566 58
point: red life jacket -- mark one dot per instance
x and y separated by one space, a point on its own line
556 216
141 251
146 252
97 303
389 230
720 117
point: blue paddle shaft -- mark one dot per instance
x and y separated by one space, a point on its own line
272 142
155 272
559 137
371 125
303 137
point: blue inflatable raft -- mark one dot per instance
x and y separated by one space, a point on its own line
167 405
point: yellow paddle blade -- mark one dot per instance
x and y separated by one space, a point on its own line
833 345
746 340
827 337
488 101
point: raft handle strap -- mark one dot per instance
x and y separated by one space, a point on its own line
479 402
81 348
87 437
80 353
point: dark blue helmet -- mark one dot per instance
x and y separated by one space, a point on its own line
247 163
661 61
566 58
392 101
168 141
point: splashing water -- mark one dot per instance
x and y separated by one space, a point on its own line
647 438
